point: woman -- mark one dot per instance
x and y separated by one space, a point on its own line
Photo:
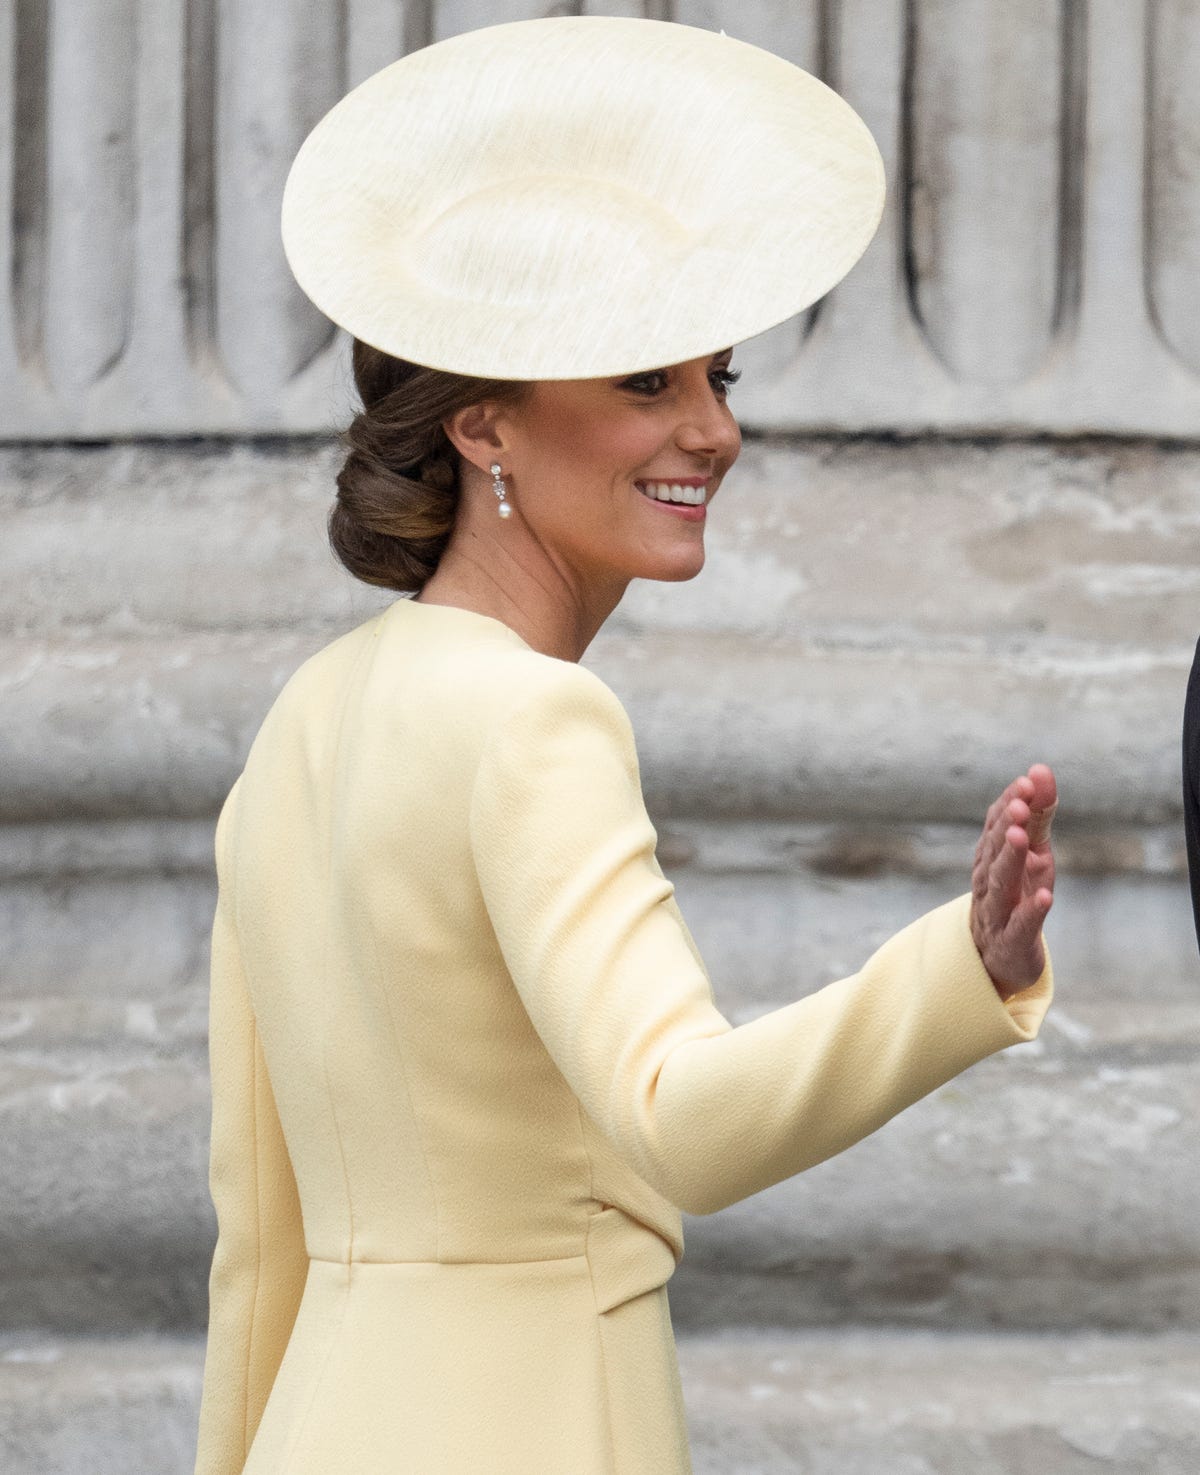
466 1064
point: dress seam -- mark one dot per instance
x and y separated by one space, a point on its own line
542 1260
401 1054
406 1077
258 1230
325 950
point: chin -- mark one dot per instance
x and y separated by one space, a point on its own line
677 572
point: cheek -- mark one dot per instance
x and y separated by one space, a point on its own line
618 447
603 448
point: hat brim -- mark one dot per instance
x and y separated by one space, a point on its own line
579 196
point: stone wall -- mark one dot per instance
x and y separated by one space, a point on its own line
1036 269
963 537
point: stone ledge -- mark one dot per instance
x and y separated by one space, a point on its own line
99 1406
727 727
903 542
93 1032
59 852
1049 1185
129 917
873 1403
845 1400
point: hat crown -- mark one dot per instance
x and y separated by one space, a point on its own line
507 240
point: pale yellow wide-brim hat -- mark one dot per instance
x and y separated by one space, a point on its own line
578 196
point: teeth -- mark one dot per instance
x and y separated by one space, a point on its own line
664 491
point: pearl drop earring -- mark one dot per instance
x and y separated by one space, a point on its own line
505 508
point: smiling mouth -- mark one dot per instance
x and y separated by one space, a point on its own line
664 491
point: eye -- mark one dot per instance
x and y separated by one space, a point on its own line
644 383
648 383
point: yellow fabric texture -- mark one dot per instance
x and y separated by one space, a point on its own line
467 1070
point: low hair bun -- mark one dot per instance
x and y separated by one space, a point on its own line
387 527
398 489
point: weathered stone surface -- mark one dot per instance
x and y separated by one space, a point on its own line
988 87
133 728
833 1402
1033 269
99 1406
1051 1185
106 1219
1124 940
108 940
1086 549
866 1403
122 912
1048 1186
879 630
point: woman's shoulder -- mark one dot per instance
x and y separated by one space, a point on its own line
530 686
548 716
440 673
556 746
486 665
523 705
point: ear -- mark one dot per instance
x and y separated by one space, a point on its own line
476 435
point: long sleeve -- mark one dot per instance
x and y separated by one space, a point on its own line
589 929
260 1261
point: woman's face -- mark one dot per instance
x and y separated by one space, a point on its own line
581 450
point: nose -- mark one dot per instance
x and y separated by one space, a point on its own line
707 427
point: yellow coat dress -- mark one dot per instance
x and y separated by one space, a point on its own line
467 1070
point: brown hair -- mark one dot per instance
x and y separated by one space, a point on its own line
397 492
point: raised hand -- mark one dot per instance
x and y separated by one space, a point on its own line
1012 883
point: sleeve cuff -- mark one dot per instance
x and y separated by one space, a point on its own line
1013 1020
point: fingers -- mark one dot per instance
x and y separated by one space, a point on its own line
1006 875
1014 842
1038 792
1021 788
1044 804
1011 921
1023 928
1029 803
1001 817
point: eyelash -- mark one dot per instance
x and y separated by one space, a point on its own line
728 377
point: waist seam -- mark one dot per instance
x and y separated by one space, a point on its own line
362 1260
